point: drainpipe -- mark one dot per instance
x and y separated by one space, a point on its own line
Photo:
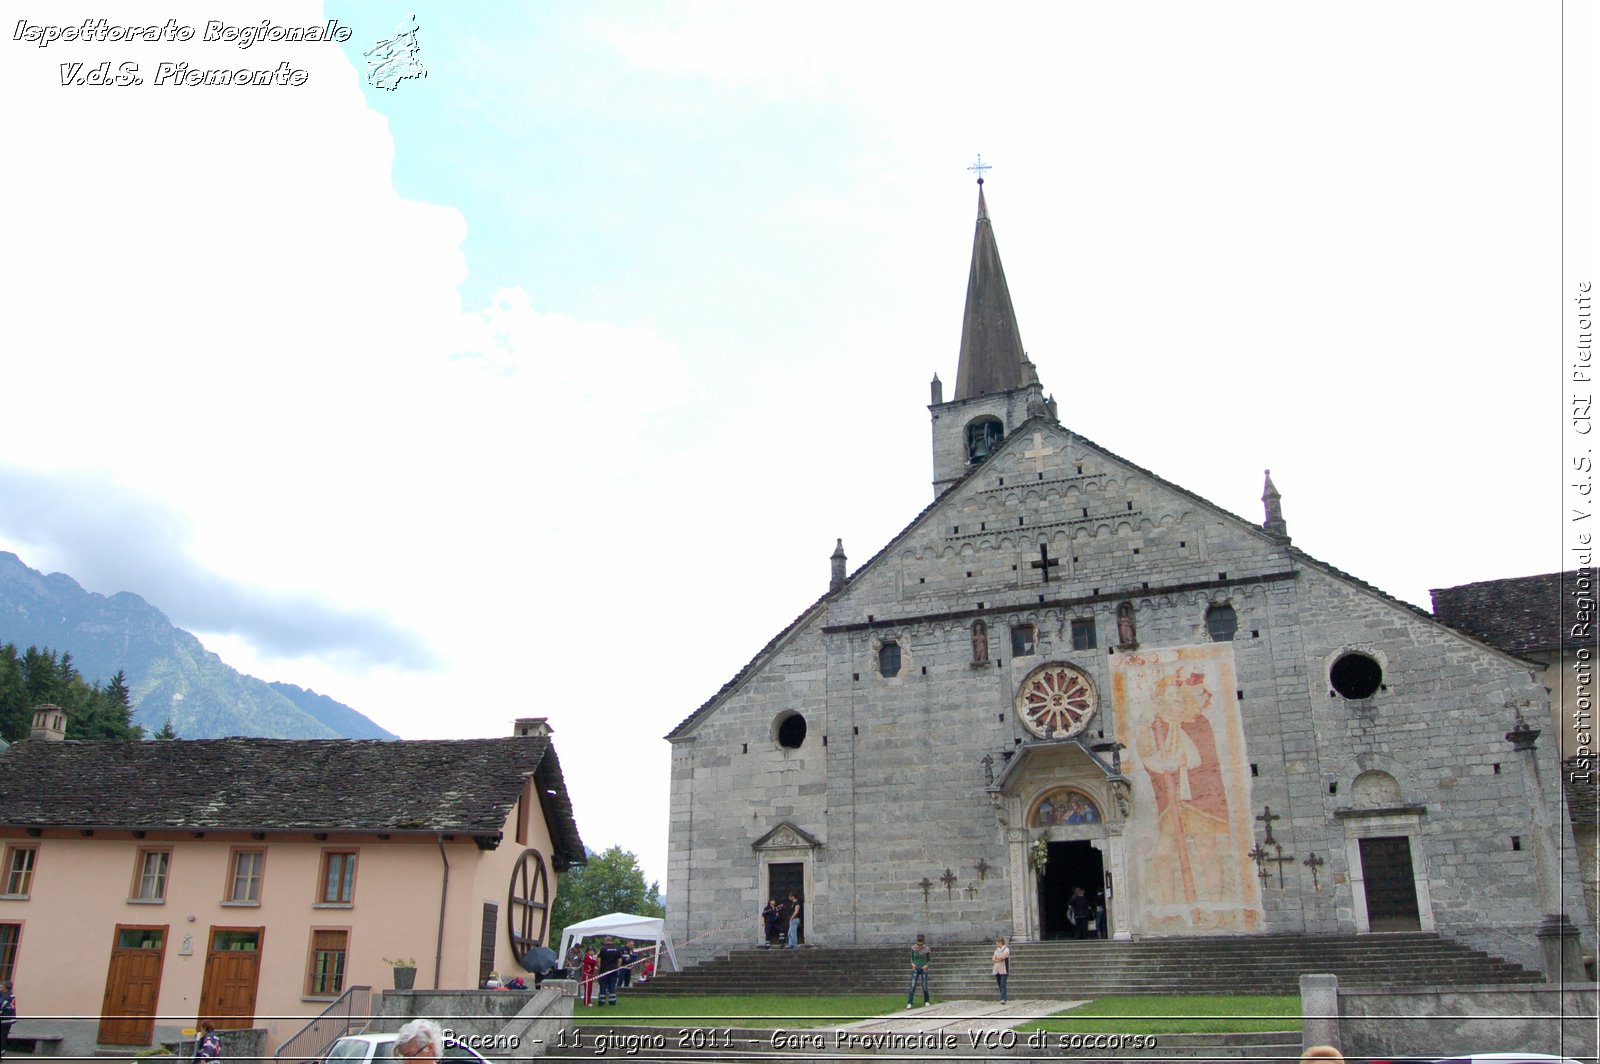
444 894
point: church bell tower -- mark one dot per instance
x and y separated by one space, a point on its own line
997 388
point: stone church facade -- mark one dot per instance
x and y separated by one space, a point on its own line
1069 673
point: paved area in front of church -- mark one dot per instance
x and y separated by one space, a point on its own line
960 1016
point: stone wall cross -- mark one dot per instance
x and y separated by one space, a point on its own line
1045 562
949 880
1039 453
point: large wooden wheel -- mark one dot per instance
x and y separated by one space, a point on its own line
528 906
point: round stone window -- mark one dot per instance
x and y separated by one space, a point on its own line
790 730
1056 701
1356 676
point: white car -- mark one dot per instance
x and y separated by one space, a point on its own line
379 1049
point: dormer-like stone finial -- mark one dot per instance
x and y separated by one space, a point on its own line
936 390
1274 523
836 577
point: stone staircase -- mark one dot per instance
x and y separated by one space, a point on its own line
1241 964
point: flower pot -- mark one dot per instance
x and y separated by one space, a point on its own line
404 978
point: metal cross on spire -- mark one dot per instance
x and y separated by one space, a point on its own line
979 167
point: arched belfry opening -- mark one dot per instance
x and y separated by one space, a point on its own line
983 436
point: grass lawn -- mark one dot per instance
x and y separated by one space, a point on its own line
1128 1014
1176 1014
737 1010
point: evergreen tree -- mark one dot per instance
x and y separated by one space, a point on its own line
167 731
38 676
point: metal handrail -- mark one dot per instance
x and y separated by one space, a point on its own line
340 1018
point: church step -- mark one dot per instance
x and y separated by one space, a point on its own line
1241 964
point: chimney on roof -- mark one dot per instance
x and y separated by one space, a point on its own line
49 723
538 727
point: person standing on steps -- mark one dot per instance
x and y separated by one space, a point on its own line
921 955
1002 965
796 908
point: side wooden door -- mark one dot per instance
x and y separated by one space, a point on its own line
233 971
133 983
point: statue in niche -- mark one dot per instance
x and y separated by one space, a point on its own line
980 643
1127 635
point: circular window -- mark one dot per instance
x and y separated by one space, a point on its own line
1055 701
791 731
1356 676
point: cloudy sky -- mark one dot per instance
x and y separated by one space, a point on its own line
543 385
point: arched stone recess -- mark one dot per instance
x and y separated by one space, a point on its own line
787 854
1055 792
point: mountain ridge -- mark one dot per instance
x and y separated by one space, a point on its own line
170 673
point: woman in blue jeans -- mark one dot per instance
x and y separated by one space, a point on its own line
1002 965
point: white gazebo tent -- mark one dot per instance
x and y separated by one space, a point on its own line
622 926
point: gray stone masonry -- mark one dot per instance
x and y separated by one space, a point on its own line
891 781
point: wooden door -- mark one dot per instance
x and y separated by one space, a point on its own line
133 983
233 970
1391 886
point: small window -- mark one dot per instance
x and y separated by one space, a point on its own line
338 878
983 436
10 935
150 875
791 732
1221 622
1022 640
889 659
1083 634
244 880
325 972
19 870
1356 676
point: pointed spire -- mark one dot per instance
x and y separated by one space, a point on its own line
836 576
992 359
1274 523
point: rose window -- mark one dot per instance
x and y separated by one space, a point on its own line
1055 701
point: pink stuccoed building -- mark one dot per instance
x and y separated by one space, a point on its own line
150 884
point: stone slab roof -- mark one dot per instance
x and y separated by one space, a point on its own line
1582 785
464 786
1522 614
